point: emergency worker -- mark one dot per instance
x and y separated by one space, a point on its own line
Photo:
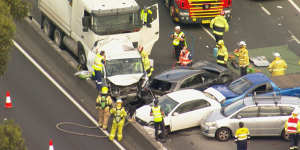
119 114
103 105
185 58
278 66
219 25
292 127
222 55
146 16
158 119
178 41
242 53
242 137
146 62
98 69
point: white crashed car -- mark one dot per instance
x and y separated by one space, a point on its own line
183 109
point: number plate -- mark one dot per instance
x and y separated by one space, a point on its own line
205 21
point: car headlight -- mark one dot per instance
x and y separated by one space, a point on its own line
210 124
183 13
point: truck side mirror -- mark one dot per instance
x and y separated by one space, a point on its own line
86 22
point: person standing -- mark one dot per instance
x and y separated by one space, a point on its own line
103 105
146 61
98 69
242 53
185 58
219 25
278 66
242 137
158 115
119 115
178 41
222 54
292 126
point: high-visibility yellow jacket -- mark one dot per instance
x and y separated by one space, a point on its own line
219 25
103 102
242 134
157 115
242 53
277 67
118 113
176 41
222 55
145 60
98 63
145 14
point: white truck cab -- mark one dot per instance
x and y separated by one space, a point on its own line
124 72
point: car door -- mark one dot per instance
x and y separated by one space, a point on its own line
269 120
248 116
210 78
188 114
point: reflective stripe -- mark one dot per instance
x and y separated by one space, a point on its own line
176 41
98 65
184 59
157 117
292 125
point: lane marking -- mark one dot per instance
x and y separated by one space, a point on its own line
86 113
294 37
207 31
264 9
295 5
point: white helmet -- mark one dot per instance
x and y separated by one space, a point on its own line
177 28
242 43
276 54
119 101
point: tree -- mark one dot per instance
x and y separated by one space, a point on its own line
9 10
11 136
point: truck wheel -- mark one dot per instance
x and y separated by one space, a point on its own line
82 57
47 27
57 37
223 134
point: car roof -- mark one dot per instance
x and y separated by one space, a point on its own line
261 100
176 74
183 96
257 78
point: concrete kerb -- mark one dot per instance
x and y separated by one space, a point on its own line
138 132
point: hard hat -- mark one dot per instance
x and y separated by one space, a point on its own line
276 54
242 43
177 28
119 101
220 42
104 90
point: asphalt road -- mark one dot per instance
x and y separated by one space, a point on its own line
39 106
277 26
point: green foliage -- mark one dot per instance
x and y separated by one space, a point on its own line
9 10
11 136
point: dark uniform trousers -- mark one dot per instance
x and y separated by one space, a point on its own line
160 125
241 145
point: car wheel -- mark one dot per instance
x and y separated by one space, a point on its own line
223 134
285 135
224 79
47 27
57 37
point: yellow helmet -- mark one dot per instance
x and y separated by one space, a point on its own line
221 42
104 90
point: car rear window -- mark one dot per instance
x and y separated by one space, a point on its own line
160 85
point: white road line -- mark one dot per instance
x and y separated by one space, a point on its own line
294 37
295 5
64 91
210 34
264 9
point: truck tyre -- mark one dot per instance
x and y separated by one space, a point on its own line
81 57
58 37
223 134
47 27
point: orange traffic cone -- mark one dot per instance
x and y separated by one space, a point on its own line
8 103
51 145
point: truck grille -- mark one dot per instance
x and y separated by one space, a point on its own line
205 8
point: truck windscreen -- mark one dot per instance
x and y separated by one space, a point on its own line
118 23
123 66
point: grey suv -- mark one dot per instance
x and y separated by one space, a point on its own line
263 115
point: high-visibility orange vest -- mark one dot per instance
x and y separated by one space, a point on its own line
184 58
292 125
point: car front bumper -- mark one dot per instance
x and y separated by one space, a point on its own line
208 131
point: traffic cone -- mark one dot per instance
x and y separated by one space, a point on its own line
51 145
8 103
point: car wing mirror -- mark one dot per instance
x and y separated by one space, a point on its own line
175 114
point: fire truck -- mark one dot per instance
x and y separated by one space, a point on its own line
198 11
